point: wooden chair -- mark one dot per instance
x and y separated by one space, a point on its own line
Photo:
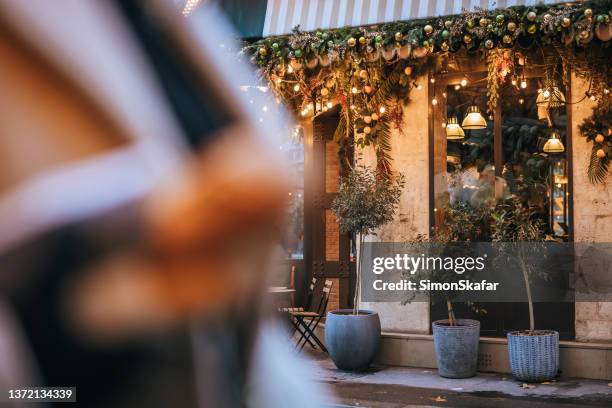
306 322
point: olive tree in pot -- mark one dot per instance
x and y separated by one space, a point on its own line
456 340
366 200
533 354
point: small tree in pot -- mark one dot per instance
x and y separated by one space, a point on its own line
366 201
456 340
533 354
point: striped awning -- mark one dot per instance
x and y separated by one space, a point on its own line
283 15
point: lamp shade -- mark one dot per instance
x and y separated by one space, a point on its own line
551 97
453 130
553 144
473 119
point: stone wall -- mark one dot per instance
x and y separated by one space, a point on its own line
410 157
592 218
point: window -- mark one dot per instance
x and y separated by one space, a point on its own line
479 157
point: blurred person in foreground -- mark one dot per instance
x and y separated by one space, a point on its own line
139 199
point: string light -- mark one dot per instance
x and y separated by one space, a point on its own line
521 101
265 108
432 80
513 82
457 87
290 69
382 109
296 87
464 82
419 87
434 101
523 84
329 105
354 90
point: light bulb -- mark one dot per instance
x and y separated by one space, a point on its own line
457 87
419 87
523 84
352 107
329 105
432 80
382 109
547 93
265 108
521 101
513 82
296 88
354 90
443 125
434 101
464 82
290 69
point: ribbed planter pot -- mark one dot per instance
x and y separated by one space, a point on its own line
352 340
456 347
534 357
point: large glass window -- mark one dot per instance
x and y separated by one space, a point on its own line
293 238
481 157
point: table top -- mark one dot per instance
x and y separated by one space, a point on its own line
280 289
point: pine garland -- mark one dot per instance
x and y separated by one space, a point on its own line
382 63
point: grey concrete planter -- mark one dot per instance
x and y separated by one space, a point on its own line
456 347
352 340
535 357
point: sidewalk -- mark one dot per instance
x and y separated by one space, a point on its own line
389 386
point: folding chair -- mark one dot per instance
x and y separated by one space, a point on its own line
309 296
307 328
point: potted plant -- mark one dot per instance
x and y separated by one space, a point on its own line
366 200
533 354
456 340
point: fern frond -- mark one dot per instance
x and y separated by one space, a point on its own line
598 167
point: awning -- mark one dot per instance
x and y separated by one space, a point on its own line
283 15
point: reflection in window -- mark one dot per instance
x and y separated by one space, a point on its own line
293 238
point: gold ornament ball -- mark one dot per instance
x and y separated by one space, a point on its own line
588 13
263 51
483 22
428 29
531 16
362 40
367 130
324 92
489 44
532 29
363 74
351 42
547 18
367 119
599 138
507 39
566 22
374 116
448 23
444 46
584 34
398 36
467 38
511 26
600 153
408 71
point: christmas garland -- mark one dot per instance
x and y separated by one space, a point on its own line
370 71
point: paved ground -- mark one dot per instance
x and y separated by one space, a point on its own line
395 387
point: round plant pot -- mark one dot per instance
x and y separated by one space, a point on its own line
352 340
456 347
534 357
